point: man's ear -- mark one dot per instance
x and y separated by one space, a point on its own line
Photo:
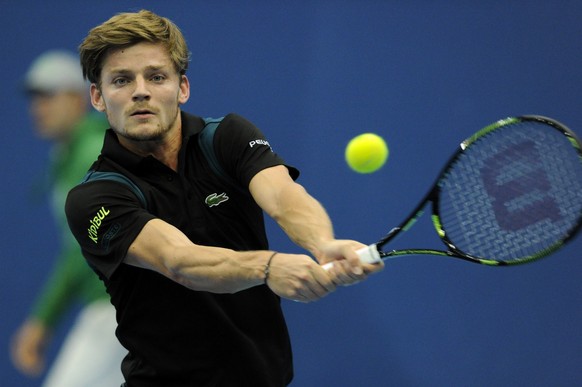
97 98
184 90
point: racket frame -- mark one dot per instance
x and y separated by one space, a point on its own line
432 197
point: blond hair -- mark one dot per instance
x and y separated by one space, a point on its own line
127 29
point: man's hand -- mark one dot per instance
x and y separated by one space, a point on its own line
346 267
298 278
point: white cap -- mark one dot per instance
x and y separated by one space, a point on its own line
55 70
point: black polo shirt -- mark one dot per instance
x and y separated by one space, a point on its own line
176 336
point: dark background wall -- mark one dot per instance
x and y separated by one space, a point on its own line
312 74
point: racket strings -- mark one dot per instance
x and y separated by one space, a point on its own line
514 194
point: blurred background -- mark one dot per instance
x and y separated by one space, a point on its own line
313 74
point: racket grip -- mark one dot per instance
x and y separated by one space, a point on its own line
368 254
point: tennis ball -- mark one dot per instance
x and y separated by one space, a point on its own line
366 153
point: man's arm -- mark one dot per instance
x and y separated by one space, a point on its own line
165 249
306 222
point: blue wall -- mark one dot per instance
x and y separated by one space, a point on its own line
312 74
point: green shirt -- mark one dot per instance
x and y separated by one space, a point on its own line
71 279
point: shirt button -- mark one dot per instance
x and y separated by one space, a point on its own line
170 178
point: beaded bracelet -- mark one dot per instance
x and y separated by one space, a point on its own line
268 267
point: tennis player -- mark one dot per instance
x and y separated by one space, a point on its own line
188 268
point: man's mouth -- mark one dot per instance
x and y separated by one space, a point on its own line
141 112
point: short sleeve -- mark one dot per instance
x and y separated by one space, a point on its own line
243 150
105 217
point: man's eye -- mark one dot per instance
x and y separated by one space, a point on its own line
120 81
158 78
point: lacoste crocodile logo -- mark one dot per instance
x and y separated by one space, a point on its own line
215 199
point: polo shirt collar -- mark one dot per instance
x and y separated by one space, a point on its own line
112 149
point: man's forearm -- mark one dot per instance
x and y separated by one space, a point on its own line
303 219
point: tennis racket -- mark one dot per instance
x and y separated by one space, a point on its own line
511 194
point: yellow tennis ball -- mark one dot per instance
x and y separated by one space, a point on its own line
366 153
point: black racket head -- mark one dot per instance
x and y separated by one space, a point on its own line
512 193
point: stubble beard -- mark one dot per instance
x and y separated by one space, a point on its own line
158 134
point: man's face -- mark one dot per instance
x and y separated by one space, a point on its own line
140 92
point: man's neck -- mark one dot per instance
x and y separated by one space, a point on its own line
165 150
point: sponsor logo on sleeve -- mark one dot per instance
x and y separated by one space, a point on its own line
260 142
95 223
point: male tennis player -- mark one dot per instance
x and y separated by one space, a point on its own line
187 265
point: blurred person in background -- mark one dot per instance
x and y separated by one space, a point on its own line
90 354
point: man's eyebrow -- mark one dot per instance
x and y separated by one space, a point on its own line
123 71
151 68
120 71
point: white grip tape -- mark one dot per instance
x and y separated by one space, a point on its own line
369 254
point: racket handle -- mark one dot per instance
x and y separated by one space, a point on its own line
368 254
